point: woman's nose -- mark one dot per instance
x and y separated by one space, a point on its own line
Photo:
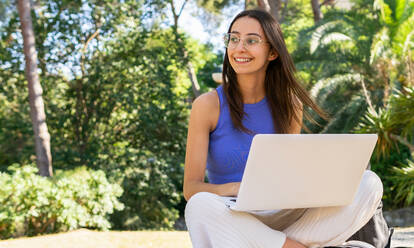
240 46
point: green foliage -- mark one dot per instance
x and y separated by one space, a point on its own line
150 196
205 63
31 204
297 16
123 102
404 184
362 46
359 72
136 110
378 122
215 6
383 166
16 133
394 125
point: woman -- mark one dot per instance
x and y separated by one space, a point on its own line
260 94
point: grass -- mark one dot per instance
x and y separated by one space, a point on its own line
84 238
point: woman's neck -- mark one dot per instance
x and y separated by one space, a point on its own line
252 87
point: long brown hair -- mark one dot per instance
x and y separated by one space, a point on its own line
281 84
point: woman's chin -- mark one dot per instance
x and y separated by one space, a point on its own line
240 71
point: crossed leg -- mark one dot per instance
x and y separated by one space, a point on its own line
212 224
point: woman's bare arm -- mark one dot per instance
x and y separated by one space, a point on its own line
203 119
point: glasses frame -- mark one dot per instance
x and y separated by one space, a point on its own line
226 36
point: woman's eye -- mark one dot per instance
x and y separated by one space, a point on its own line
252 41
234 39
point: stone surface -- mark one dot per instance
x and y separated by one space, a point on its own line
403 217
403 237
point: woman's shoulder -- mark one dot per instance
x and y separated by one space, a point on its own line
207 101
207 106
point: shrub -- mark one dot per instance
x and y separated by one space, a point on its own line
31 204
404 184
150 196
384 167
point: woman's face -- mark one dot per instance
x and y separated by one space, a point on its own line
249 57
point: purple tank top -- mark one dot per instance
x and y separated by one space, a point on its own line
228 147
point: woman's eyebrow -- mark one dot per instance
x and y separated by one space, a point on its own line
236 32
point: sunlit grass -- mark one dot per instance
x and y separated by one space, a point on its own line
115 239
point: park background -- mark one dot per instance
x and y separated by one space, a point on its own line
118 79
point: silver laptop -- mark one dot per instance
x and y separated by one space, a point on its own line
285 171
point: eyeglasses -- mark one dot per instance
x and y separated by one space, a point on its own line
232 40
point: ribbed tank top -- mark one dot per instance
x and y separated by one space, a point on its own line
228 147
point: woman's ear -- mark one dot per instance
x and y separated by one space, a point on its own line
273 55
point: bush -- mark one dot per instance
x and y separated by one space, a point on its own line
150 197
31 204
384 167
404 184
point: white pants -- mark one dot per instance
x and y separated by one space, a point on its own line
212 224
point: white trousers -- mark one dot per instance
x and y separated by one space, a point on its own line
212 224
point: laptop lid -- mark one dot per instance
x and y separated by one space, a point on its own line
286 171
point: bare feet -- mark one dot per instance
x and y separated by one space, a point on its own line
290 243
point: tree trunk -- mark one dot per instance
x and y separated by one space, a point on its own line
284 11
37 111
190 69
316 8
193 78
275 8
264 4
271 6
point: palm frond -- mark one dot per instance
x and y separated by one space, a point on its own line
404 178
380 45
378 122
321 31
403 38
402 109
329 84
347 117
334 37
407 43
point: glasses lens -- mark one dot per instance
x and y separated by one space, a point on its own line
226 39
231 40
252 40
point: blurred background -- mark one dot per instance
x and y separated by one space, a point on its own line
117 81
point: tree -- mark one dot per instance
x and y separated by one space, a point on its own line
359 72
37 112
272 6
190 68
316 7
370 58
394 125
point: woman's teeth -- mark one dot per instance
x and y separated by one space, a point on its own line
242 59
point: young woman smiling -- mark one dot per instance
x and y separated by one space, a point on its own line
260 94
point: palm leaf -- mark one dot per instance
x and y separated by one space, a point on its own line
380 45
329 84
321 31
334 37
347 117
407 43
378 122
402 109
404 178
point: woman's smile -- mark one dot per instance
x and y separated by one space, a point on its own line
242 60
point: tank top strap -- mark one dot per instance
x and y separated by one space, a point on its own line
222 97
